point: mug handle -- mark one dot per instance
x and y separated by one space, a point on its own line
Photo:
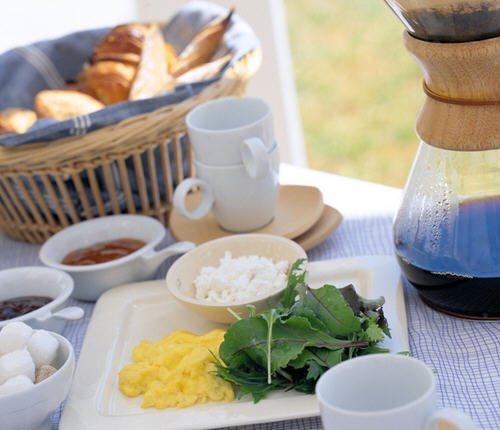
255 157
452 416
183 189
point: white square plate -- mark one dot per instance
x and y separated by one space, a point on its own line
128 314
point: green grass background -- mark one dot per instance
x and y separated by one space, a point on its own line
359 90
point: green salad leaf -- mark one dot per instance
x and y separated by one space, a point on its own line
292 345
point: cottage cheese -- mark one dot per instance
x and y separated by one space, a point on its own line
240 279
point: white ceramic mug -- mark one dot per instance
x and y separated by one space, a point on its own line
230 131
383 391
240 201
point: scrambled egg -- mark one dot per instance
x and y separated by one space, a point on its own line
177 371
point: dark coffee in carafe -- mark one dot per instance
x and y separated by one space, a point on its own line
463 279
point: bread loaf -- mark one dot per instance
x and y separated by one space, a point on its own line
16 120
109 81
63 104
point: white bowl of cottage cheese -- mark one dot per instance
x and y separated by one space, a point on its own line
220 278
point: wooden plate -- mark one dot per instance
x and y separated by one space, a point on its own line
299 208
326 225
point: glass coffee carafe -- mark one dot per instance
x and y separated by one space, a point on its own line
447 231
449 20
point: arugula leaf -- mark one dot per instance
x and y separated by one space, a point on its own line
330 307
270 317
301 310
372 350
360 304
374 333
245 337
314 370
250 380
304 384
295 277
323 357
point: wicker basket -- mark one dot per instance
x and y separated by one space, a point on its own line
39 181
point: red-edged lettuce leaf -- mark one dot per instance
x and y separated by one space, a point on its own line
331 309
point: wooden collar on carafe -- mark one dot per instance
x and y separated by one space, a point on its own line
461 109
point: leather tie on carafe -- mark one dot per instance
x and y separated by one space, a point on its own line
461 108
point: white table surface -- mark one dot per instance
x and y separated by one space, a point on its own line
352 197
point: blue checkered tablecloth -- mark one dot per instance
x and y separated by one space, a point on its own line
465 354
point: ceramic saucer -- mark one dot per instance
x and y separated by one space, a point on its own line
299 208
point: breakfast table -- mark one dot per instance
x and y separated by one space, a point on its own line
465 354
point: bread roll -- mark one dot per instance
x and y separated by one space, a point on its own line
16 120
62 104
109 81
76 85
123 43
130 63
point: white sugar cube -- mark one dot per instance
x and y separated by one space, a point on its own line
15 363
15 384
13 336
43 347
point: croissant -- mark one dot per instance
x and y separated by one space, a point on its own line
109 81
16 120
151 74
170 55
205 71
62 104
123 43
203 46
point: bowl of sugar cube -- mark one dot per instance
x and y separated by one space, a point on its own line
36 371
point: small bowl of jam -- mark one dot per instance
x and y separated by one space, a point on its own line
36 296
105 252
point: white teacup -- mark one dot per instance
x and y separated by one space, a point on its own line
230 130
241 202
381 392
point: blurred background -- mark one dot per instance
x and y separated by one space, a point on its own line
358 91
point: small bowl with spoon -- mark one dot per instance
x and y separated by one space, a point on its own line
36 296
95 275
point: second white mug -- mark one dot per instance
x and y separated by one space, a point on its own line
243 196
381 392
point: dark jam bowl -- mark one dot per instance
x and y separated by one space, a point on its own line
449 20
37 281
